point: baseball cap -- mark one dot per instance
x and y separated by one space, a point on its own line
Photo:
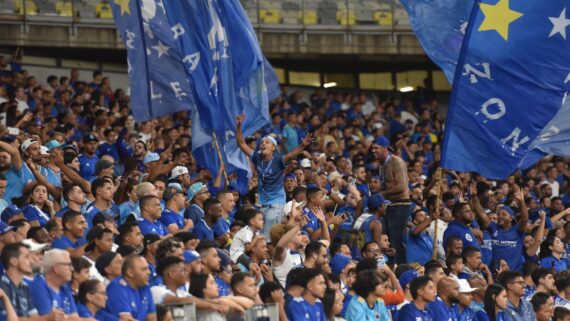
508 210
10 212
376 200
53 144
35 246
27 143
90 138
382 141
305 163
103 261
464 286
172 190
338 263
151 157
407 277
177 171
101 165
5 228
150 238
194 189
191 256
44 150
102 217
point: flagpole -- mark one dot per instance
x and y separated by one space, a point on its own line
438 175
220 155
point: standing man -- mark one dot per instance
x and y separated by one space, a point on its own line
394 180
270 165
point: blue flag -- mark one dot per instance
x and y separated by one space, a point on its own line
509 84
206 53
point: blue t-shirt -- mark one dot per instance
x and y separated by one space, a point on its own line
312 223
440 311
299 309
508 245
410 312
481 315
64 243
33 213
550 262
15 185
358 309
221 228
466 315
108 149
195 213
148 227
270 178
46 299
92 211
101 315
419 248
203 231
122 298
20 297
169 217
127 208
487 248
224 289
87 165
291 137
456 228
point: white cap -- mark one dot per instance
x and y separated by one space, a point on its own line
289 206
44 150
305 163
35 246
464 286
27 143
177 171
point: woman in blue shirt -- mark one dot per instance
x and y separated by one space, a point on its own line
91 301
333 304
40 209
367 304
551 250
495 302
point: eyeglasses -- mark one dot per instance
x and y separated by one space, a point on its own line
374 251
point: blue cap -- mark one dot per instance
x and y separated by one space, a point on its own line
508 210
5 228
194 189
291 176
376 200
53 144
338 263
382 141
151 157
407 277
10 212
191 256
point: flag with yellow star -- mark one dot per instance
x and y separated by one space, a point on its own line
510 82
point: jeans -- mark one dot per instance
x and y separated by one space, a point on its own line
272 215
397 216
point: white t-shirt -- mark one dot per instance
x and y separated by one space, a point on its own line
441 227
291 261
159 292
244 236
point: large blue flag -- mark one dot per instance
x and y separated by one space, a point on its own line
201 56
509 84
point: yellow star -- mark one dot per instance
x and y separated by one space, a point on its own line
124 4
498 17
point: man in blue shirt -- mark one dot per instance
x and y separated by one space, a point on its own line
204 230
171 218
130 295
270 166
58 272
72 240
88 159
103 190
150 215
444 306
309 306
518 309
463 216
423 292
419 244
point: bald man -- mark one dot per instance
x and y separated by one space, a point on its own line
445 305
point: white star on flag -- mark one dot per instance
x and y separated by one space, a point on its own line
559 24
161 49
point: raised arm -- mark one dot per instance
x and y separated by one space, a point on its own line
299 149
14 154
476 206
537 239
239 136
281 247
519 196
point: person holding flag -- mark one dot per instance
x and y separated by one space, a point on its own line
270 165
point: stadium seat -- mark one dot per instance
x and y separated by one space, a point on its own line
270 16
84 9
45 7
401 17
384 18
346 17
104 10
64 9
308 17
7 7
30 7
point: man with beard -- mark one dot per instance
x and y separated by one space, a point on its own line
88 158
150 214
75 198
102 190
11 168
204 230
459 227
394 179
445 305
72 240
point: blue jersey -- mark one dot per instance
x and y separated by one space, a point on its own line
481 315
270 178
221 228
312 222
368 237
148 227
108 149
419 248
169 217
101 315
122 298
508 245
467 314
127 208
64 243
15 184
456 228
358 309
33 213
440 311
46 299
411 313
20 297
195 213
203 231
87 165
92 211
487 248
224 289
301 310
550 262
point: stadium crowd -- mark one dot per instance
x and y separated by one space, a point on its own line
346 216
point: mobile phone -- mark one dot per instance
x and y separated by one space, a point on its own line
380 261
